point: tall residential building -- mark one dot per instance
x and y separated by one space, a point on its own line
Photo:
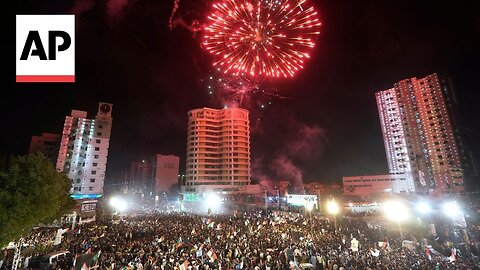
418 134
84 149
140 176
47 144
165 172
218 151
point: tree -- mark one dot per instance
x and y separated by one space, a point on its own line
31 192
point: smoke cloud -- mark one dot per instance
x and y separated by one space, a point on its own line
307 143
116 9
284 167
81 6
302 143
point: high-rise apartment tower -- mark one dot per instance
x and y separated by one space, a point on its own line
418 134
84 149
218 151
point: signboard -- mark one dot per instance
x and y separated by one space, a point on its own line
190 197
85 196
302 200
88 207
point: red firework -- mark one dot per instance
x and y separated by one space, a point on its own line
269 38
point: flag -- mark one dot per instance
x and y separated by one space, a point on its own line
95 258
89 250
210 225
184 265
453 257
179 243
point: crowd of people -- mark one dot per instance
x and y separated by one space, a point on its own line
249 240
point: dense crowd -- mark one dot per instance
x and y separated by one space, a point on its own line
182 241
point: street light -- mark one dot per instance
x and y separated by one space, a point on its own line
266 206
396 211
278 198
309 208
333 209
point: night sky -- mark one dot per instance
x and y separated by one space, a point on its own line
328 127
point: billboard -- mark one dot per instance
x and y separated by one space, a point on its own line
302 200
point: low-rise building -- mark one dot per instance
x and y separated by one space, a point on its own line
375 184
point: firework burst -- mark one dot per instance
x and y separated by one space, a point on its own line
265 38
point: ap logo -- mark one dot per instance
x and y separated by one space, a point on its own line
45 49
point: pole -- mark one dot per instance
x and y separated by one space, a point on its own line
335 222
400 229
278 199
18 253
74 220
265 192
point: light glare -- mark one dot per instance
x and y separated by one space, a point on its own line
395 211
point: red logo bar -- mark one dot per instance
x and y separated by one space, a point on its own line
45 78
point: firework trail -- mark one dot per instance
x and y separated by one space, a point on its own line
240 91
174 9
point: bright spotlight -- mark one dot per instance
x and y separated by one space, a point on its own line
424 208
212 201
395 210
332 207
451 209
118 204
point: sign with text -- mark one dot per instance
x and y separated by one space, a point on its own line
45 48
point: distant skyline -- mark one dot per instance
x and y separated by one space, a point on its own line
326 127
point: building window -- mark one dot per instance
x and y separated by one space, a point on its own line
97 148
94 172
100 126
97 141
78 181
99 133
90 188
95 156
94 164
92 180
